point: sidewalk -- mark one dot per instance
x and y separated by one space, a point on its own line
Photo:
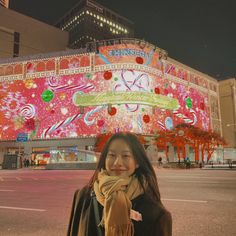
219 167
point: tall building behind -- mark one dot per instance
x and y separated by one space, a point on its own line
89 21
4 3
227 92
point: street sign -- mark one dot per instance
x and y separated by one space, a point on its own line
22 137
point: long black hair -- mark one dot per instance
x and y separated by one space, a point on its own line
144 172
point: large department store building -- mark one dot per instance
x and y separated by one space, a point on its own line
62 101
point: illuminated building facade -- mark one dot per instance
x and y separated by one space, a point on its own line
127 85
89 21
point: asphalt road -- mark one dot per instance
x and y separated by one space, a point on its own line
37 202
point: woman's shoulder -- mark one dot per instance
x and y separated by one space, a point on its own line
151 209
156 219
166 215
164 224
81 194
145 198
80 201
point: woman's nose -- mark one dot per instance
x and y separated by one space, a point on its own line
118 160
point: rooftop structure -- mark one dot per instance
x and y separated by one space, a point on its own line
89 21
21 35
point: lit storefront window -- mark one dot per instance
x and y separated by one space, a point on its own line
43 156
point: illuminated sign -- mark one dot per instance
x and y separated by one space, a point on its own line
125 98
22 137
127 52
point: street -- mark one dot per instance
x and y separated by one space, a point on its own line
38 202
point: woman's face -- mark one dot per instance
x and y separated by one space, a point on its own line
120 160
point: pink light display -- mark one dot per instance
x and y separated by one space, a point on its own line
45 108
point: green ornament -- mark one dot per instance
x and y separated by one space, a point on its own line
189 103
88 76
115 78
47 95
143 109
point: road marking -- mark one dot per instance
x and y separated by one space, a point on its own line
183 200
193 181
194 177
18 178
35 178
6 190
20 208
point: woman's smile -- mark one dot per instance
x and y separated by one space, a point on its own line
118 171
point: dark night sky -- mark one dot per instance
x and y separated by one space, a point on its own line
198 33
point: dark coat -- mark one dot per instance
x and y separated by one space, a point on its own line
156 220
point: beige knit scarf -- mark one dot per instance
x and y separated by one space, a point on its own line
115 194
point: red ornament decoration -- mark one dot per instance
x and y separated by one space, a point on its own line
112 111
52 111
30 124
107 75
29 66
166 91
139 60
202 105
157 90
146 118
100 123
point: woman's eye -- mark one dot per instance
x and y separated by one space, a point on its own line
111 155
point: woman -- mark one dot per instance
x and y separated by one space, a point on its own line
122 198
